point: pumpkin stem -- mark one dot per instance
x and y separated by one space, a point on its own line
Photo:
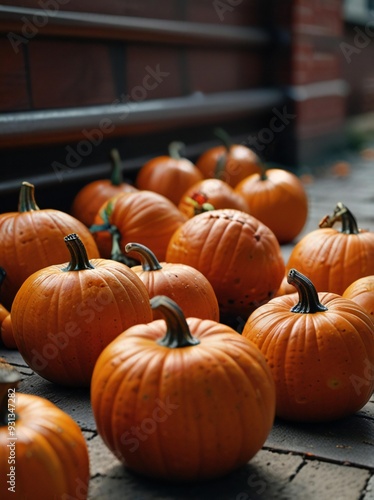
148 259
343 215
26 201
116 252
116 174
9 380
224 137
308 297
175 149
79 259
177 331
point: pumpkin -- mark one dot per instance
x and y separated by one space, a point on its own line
3 310
6 333
184 284
320 348
91 196
278 199
43 453
361 291
145 217
32 238
169 175
64 315
182 399
210 194
228 162
334 258
238 254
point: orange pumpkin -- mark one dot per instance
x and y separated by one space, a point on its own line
91 197
334 258
184 284
3 310
361 291
169 175
278 199
182 399
145 217
64 315
48 456
228 162
32 238
6 333
237 253
320 348
210 194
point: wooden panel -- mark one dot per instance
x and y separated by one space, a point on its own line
239 13
13 84
65 73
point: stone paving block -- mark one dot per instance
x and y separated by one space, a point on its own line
369 490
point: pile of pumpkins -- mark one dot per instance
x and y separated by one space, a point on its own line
136 294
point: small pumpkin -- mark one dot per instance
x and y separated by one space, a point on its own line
145 217
64 315
229 162
170 175
277 198
320 349
182 399
91 196
184 284
238 254
361 291
210 194
32 238
334 258
43 453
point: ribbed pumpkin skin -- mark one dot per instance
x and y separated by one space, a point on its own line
361 291
240 162
168 176
279 201
145 217
321 362
33 240
91 197
239 255
51 453
218 193
333 260
62 320
205 409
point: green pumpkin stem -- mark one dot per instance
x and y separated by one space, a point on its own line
148 259
10 377
175 149
26 201
79 259
116 252
224 137
177 331
308 297
343 215
116 174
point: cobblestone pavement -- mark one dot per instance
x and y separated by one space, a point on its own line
298 461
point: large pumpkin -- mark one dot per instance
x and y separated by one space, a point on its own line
64 315
361 291
278 199
145 217
334 258
93 195
32 238
170 175
210 194
182 400
240 256
43 453
229 162
184 284
320 348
